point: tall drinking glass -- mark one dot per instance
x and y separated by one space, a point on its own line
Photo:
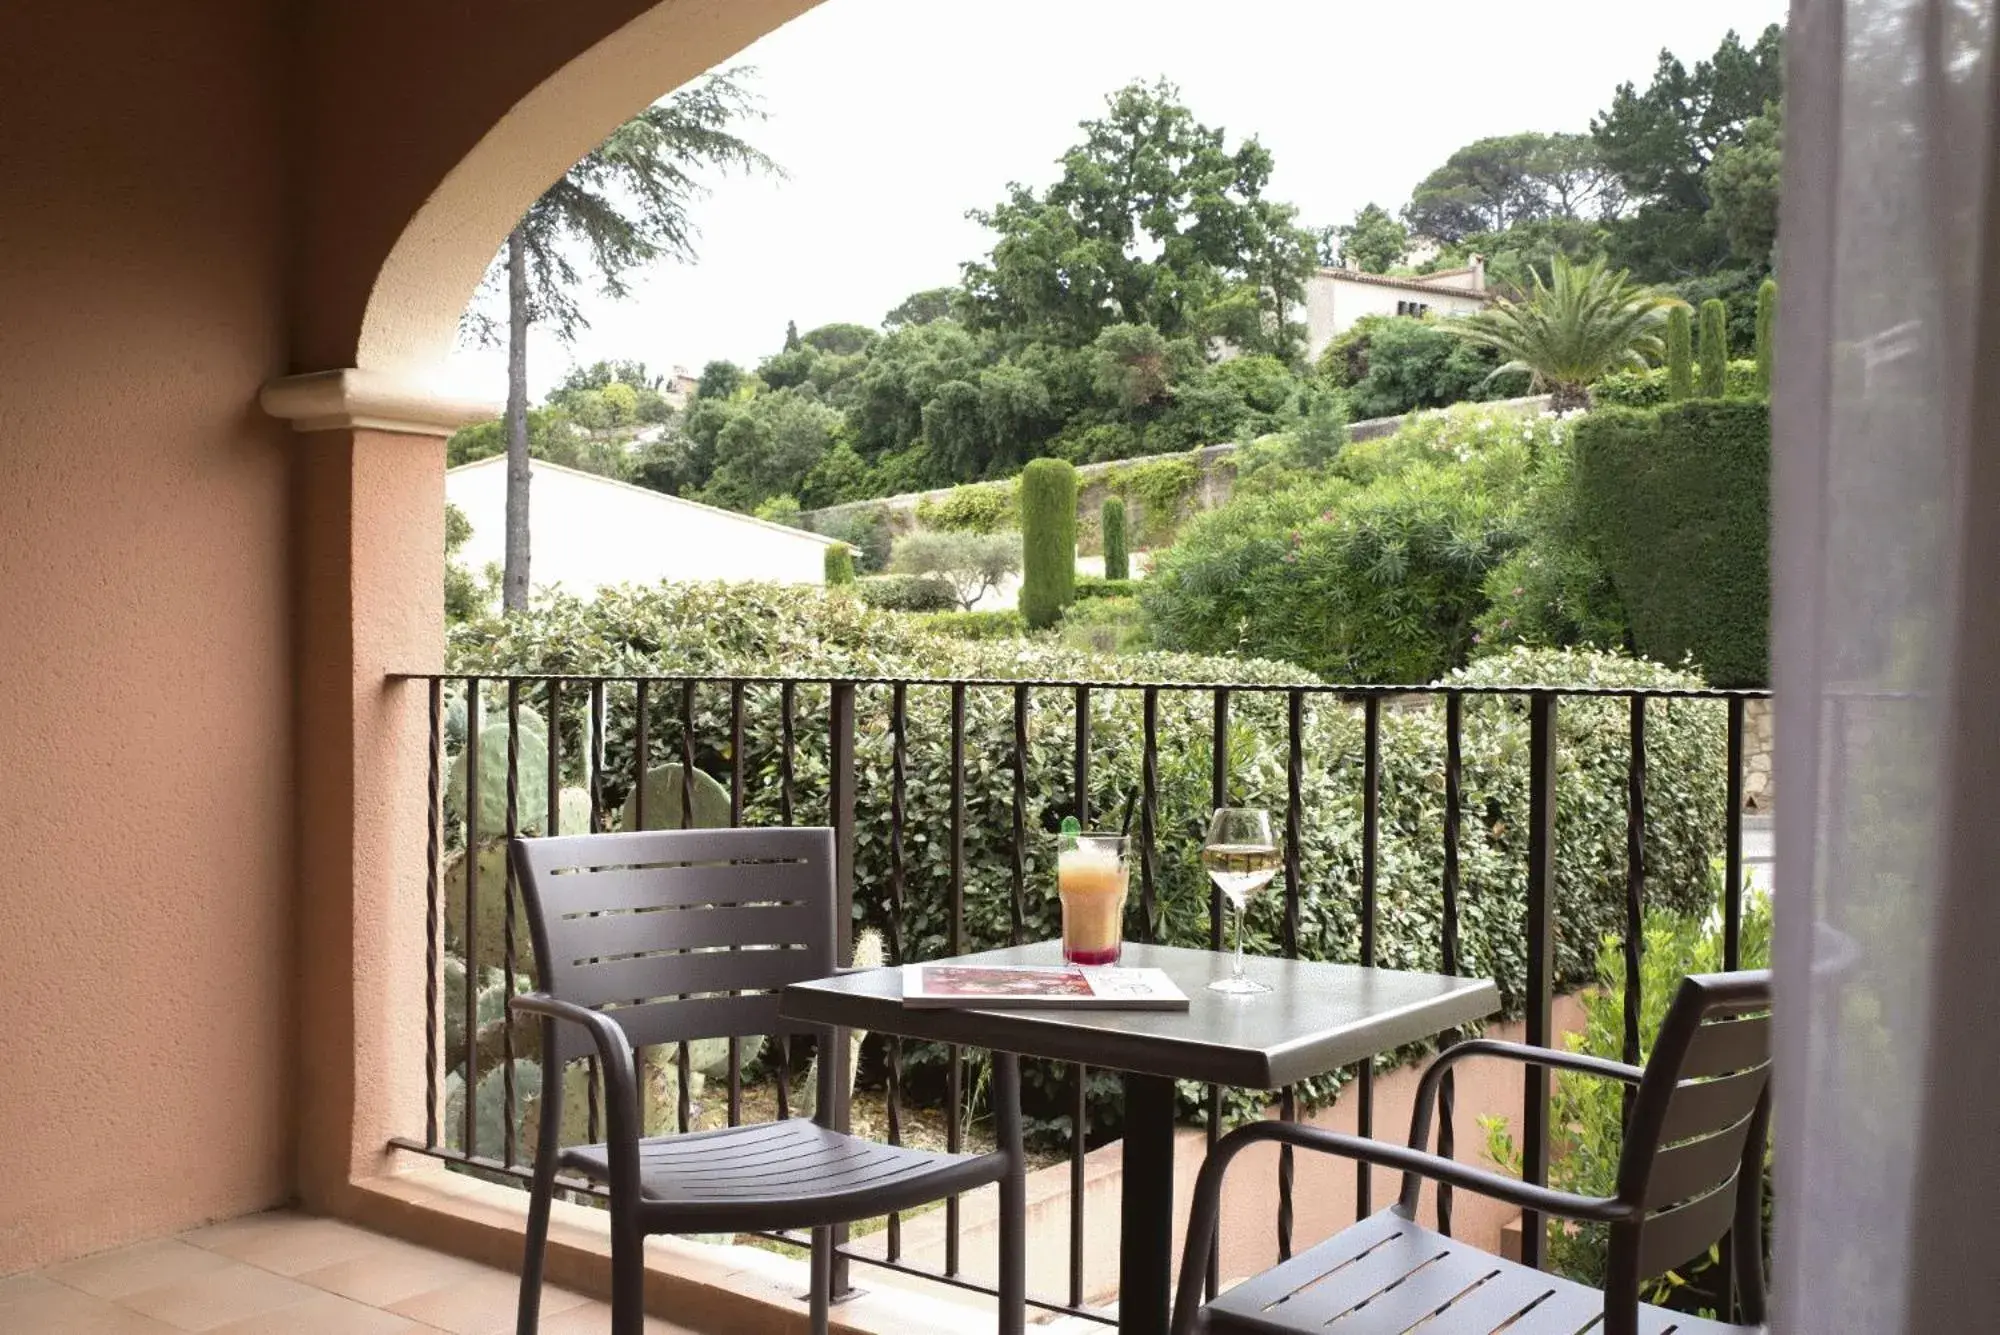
1091 878
1241 858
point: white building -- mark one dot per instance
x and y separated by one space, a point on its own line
1337 298
585 532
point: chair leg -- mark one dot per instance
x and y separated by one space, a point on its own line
628 1274
822 1279
1013 1294
528 1319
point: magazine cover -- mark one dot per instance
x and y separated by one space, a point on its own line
1056 987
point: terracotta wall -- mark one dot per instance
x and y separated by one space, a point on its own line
145 735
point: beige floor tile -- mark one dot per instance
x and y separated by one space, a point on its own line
390 1272
32 1305
133 1269
483 1305
323 1314
284 1242
219 1297
595 1319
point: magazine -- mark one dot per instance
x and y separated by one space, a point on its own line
1055 987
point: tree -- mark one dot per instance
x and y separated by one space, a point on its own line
1374 242
769 447
1663 141
1495 184
924 307
1585 322
1743 183
1130 369
1048 541
625 203
719 380
1680 355
839 565
1111 523
973 564
1155 220
1767 333
1713 354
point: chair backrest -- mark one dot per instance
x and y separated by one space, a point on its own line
678 934
1697 1127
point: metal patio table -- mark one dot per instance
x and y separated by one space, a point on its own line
1316 1018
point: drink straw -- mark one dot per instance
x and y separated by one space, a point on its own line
1125 827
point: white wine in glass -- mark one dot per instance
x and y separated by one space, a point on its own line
1241 858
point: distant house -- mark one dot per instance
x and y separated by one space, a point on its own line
679 388
586 532
1337 298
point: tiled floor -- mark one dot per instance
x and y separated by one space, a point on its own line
283 1274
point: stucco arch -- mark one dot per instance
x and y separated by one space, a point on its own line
424 282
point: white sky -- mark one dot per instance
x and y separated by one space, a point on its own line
893 117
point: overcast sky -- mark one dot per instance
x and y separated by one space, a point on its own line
893 117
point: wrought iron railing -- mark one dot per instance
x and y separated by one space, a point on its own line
578 710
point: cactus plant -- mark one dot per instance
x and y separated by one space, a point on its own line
663 801
1680 355
573 804
1117 564
1767 321
1048 541
868 954
1714 349
532 792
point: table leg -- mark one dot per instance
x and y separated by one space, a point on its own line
1146 1231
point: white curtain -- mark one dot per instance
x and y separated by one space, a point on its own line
1886 488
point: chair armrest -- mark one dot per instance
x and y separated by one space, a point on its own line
621 1083
1427 1088
1208 1192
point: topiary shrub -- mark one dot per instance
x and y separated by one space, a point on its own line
908 593
839 565
1092 586
1714 348
1676 503
1048 541
1680 355
1767 325
1005 624
1117 564
1652 388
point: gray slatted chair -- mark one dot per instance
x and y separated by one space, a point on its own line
658 937
1691 1171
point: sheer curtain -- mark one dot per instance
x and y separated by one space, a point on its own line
1886 490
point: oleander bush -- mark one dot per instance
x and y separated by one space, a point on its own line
708 630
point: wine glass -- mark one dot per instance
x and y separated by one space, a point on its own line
1241 858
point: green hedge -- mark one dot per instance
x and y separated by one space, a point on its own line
1652 388
1676 503
1002 625
1096 586
712 630
907 593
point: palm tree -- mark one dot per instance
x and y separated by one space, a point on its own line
1581 325
624 204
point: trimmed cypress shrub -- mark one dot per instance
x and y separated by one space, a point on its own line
1714 348
839 565
1675 502
1767 322
1117 565
1680 355
1048 541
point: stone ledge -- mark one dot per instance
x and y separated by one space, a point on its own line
357 399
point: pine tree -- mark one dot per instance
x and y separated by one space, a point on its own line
1048 541
1680 355
1767 322
1714 349
1117 563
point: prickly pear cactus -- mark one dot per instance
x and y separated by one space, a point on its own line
663 801
490 926
532 793
868 954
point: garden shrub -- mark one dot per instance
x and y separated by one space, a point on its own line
868 531
1591 1111
1767 332
1552 591
1676 504
711 630
1714 351
839 565
1094 586
1005 624
972 565
1048 541
1162 489
1653 388
1680 356
1117 565
1391 365
1105 625
985 507
908 593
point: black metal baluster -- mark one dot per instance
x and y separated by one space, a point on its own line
1541 958
1635 882
1149 797
553 1077
683 1111
642 748
1371 832
955 945
1218 784
1079 1103
471 938
1732 844
1454 798
1018 904
898 783
592 1087
841 775
433 867
511 1118
735 819
1295 778
787 746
